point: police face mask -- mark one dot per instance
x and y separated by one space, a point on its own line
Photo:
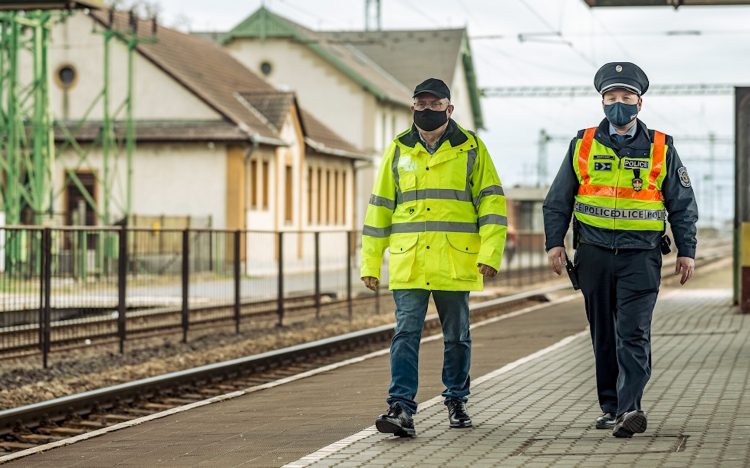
620 114
429 120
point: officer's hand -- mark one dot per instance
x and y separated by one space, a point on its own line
687 265
371 282
556 259
487 271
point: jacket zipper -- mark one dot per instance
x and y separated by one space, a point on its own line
617 184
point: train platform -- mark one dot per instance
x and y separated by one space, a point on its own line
533 403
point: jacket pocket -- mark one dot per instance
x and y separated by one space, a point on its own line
408 185
403 256
463 250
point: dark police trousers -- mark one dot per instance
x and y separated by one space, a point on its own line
620 289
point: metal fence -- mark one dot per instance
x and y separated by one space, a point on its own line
65 286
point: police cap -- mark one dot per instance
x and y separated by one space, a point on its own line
621 75
433 86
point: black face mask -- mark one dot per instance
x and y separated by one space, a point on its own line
429 120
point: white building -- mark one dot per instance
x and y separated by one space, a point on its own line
213 138
359 83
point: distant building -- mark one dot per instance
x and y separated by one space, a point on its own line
213 138
360 83
524 208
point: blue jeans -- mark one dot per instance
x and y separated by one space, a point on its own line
411 308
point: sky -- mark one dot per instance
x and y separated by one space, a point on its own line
559 42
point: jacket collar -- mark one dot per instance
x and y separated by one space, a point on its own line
452 134
641 141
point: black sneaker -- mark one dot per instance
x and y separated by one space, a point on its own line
606 421
397 422
632 422
458 417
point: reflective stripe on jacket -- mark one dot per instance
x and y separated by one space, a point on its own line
619 193
440 215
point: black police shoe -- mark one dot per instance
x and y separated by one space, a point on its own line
458 417
630 423
606 421
397 422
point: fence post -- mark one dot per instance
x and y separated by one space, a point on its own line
47 271
122 281
210 245
317 275
42 283
349 236
280 282
237 284
185 282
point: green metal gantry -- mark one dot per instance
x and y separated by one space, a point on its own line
27 141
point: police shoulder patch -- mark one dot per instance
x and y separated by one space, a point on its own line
683 176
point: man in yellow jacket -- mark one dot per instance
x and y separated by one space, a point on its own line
439 207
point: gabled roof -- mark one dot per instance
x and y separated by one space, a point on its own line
201 66
212 74
323 140
276 106
412 56
161 131
348 59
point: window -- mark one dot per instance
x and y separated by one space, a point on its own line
343 197
253 184
66 76
266 182
320 195
310 196
77 201
384 133
335 197
288 198
266 68
328 197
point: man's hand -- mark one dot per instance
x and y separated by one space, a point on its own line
687 265
556 259
487 271
371 282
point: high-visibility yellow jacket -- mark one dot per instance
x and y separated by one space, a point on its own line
440 215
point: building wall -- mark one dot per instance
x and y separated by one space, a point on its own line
157 96
168 179
460 97
336 100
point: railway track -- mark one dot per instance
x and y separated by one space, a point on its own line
41 423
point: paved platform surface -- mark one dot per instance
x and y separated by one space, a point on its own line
541 413
534 412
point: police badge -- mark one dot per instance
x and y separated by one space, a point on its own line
637 184
683 175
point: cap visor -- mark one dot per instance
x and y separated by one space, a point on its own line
434 93
626 86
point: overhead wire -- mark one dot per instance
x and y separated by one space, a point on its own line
558 33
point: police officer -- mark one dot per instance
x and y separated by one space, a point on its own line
439 207
621 180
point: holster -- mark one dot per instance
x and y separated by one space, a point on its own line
664 244
572 272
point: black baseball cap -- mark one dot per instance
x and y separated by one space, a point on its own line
433 86
622 75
